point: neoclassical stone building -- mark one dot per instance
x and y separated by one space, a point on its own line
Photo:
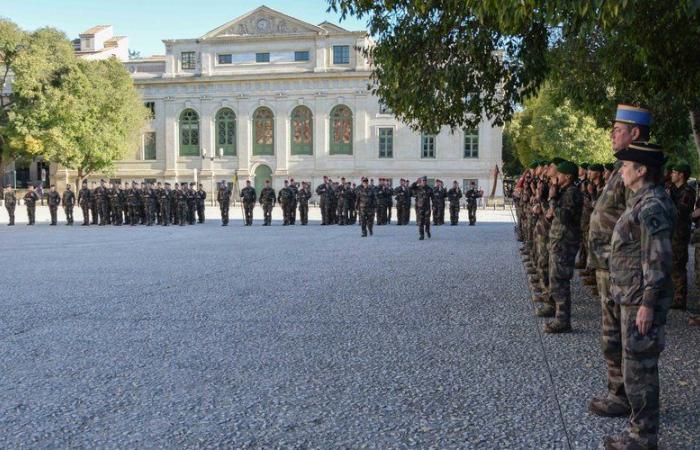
270 96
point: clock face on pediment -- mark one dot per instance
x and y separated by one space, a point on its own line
263 24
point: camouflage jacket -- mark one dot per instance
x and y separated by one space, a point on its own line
267 196
10 198
84 197
454 194
285 196
223 196
641 255
402 195
608 208
684 199
248 195
68 198
366 198
423 196
566 224
30 198
439 195
54 199
303 196
472 194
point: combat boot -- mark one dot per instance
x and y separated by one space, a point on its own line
546 311
537 297
607 406
557 326
694 321
624 441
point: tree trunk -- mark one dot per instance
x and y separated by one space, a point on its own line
695 124
79 180
495 182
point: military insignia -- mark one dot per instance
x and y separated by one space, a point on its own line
654 219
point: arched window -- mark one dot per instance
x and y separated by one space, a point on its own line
263 132
302 131
341 131
226 131
189 133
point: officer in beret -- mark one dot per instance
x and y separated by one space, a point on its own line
683 197
248 197
223 197
641 286
423 195
608 169
365 202
10 199
85 201
631 124
564 212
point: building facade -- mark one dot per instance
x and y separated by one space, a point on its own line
268 96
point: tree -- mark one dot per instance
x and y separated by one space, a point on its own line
81 114
546 128
448 62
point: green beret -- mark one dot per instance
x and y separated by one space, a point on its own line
568 168
595 167
682 167
534 165
584 165
557 160
543 163
609 167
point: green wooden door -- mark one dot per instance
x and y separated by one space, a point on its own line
262 173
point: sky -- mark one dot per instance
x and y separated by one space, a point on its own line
148 22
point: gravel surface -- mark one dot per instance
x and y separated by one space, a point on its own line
300 337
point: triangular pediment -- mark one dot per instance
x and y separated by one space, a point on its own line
263 21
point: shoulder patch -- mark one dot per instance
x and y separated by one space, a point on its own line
654 217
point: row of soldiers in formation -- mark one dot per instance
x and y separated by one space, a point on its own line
117 204
158 203
342 202
631 229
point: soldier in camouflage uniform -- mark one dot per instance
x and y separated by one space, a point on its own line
284 198
173 205
157 191
295 190
192 203
694 303
123 201
224 199
453 195
472 196
267 201
201 198
323 192
164 200
132 201
183 209
683 197
68 203
30 199
54 201
631 123
10 200
540 291
439 195
85 201
303 197
400 197
93 204
101 202
115 205
366 201
641 286
248 197
583 183
423 195
565 203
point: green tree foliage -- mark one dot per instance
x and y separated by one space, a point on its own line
83 115
547 127
447 62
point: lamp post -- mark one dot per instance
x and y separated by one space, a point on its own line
212 157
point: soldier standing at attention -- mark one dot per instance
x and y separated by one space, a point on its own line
439 195
114 206
123 202
164 199
132 201
348 204
583 184
30 199
641 285
102 202
248 196
201 199
472 195
10 200
68 202
423 195
303 197
182 207
85 201
267 201
683 197
173 204
340 194
453 195
365 203
157 191
630 124
322 192
564 240
54 201
400 201
191 203
284 198
224 199
293 208
146 195
93 203
381 203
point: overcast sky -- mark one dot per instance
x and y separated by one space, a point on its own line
148 22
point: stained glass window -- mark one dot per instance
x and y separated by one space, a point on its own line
302 131
263 132
226 131
341 131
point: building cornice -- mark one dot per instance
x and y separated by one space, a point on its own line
364 74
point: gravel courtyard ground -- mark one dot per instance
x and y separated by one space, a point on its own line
300 337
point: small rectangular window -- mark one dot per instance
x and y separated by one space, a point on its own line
149 146
341 54
225 58
471 143
262 57
151 106
427 146
187 60
386 142
301 56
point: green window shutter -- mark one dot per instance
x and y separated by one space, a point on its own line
226 131
263 132
341 131
189 133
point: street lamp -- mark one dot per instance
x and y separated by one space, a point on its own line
212 157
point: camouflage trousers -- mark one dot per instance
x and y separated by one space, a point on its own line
267 213
454 213
303 213
366 216
679 270
694 303
562 257
248 212
611 338
10 213
423 220
640 372
471 210
542 266
223 207
583 248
